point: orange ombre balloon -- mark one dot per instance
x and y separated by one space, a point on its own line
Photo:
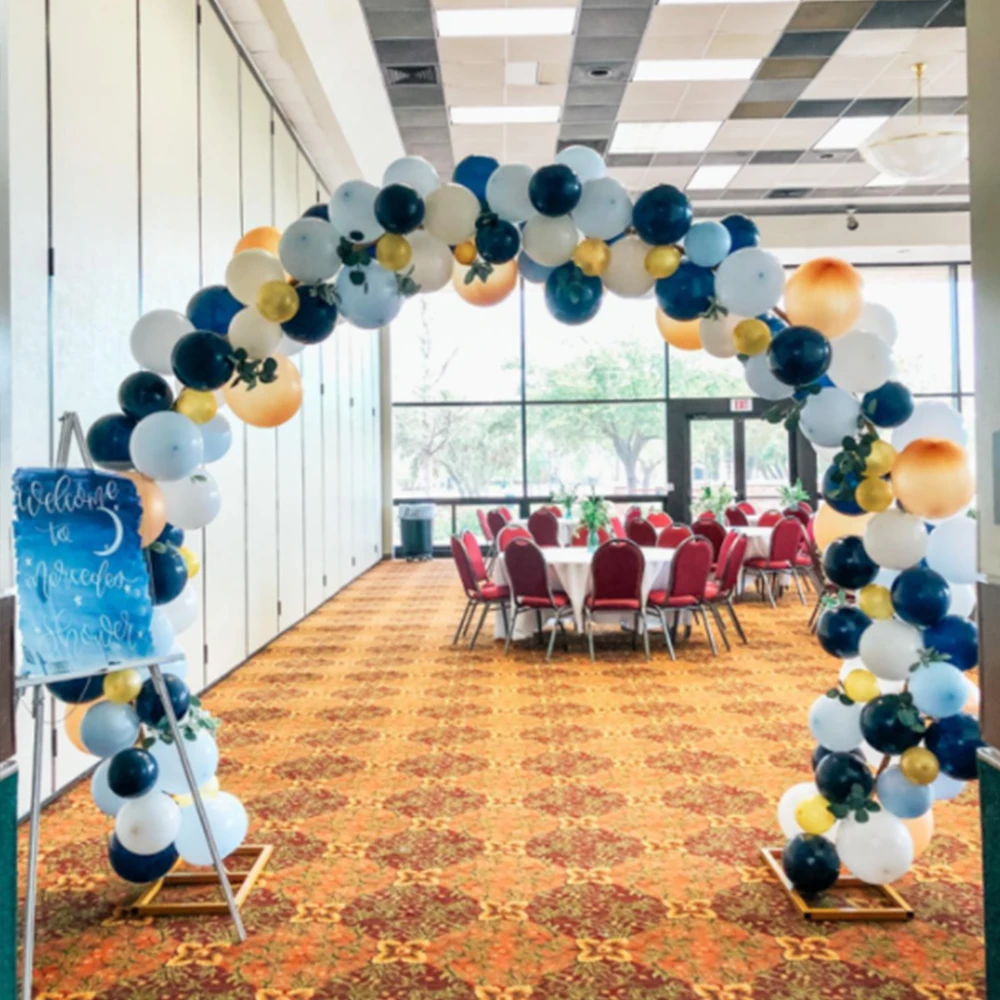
931 478
268 404
494 289
72 722
921 830
262 238
154 507
830 525
825 294
685 335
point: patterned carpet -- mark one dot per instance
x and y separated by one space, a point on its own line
455 826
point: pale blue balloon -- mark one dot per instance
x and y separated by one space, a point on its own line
162 634
945 787
217 437
830 415
179 668
228 821
707 243
109 727
308 250
835 725
352 211
938 689
371 300
101 793
166 446
203 755
901 797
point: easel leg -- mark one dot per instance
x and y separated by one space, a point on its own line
220 868
31 895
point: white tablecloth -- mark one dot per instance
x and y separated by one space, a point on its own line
758 540
567 526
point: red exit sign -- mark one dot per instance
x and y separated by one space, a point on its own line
741 405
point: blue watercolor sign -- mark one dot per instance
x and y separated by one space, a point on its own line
82 579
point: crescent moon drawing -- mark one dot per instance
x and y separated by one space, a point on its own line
119 534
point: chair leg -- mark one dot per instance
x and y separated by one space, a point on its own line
479 627
539 627
814 617
635 632
510 630
767 589
588 624
718 621
645 634
461 621
708 631
667 639
552 641
798 586
506 618
736 621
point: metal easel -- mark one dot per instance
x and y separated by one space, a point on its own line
72 431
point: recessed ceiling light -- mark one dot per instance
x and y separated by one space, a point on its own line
713 178
884 181
696 69
505 114
663 137
849 133
520 74
506 21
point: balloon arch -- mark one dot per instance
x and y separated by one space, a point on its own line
894 733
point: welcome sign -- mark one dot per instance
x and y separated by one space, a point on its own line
82 580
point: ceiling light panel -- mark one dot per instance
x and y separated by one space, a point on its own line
663 137
713 178
508 22
849 133
695 69
504 114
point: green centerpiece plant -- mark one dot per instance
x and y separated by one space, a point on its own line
714 500
792 496
595 513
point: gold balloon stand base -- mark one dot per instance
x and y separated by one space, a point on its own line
150 903
847 899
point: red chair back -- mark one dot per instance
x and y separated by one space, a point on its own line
616 527
747 507
707 515
785 540
616 572
509 533
671 537
527 573
496 521
690 568
798 513
806 506
507 515
581 536
720 560
464 567
640 531
769 518
736 516
544 528
632 513
660 519
811 530
554 508
475 554
729 572
484 525
714 532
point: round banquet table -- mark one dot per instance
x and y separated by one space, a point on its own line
758 540
567 525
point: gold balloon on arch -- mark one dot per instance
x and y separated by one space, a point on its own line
685 335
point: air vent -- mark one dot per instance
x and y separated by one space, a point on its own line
397 75
788 193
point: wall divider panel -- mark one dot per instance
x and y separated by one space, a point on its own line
333 538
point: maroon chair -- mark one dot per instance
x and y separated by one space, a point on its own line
798 513
475 554
507 515
714 532
720 591
806 506
735 517
720 560
487 596
616 527
671 537
557 510
581 536
747 507
632 513
496 521
509 533
686 591
640 531
616 573
544 528
484 524
769 519
531 591
660 519
706 515
786 539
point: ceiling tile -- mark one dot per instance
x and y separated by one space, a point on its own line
790 69
422 116
415 95
678 176
535 95
406 51
761 109
589 113
883 42
759 176
875 106
549 48
628 159
587 130
631 177
722 158
466 50
725 45
703 111
691 19
475 96
901 14
611 49
676 46
400 24
677 159
736 194
952 15
774 90
808 43
738 134
602 22
472 75
934 106
776 156
796 133
829 15
597 93
819 109
438 134
617 72
754 17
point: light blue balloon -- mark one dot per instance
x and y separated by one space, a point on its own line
179 668
707 243
203 755
938 689
944 787
108 727
835 725
166 446
308 250
373 301
101 793
901 797
162 633
228 821
217 437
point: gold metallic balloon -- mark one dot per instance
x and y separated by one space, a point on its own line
919 765
122 686
277 301
813 815
154 507
861 685
829 525
592 256
875 601
262 238
661 262
825 294
880 460
466 253
685 335
873 494
751 336
393 252
931 478
268 404
192 562
500 283
197 406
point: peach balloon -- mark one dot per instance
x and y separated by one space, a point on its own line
931 478
262 238
825 294
72 722
685 335
921 830
154 507
830 525
268 404
494 289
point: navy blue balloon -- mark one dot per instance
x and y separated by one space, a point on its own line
171 536
824 382
662 215
571 296
202 360
531 270
920 596
838 773
473 172
140 868
954 639
774 323
399 209
143 393
798 355
108 438
132 772
168 573
555 189
148 706
498 242
744 232
316 316
811 863
890 405
78 691
318 211
832 492
213 308
954 741
839 630
847 564
687 293
820 752
882 728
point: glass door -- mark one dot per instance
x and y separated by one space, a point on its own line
767 465
713 456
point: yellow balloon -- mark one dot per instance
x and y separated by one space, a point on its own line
685 335
873 495
262 238
466 253
829 525
592 256
880 461
919 765
208 791
197 406
267 404
393 252
876 601
861 685
814 816
661 262
751 336
122 686
192 562
277 301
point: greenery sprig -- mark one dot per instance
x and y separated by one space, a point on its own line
353 254
253 370
479 270
405 284
841 695
908 715
789 412
195 720
858 803
716 500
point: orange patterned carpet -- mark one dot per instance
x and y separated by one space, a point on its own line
455 826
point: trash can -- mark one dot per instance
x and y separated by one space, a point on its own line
416 528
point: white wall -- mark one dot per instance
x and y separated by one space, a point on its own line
164 149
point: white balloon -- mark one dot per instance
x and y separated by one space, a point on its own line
308 250
750 281
789 802
835 725
875 318
352 212
895 539
228 822
432 261
166 446
854 663
217 436
551 240
373 303
290 347
860 362
963 599
257 336
585 162
203 755
717 335
889 647
878 851
930 420
829 416
149 824
182 611
604 209
100 791
450 214
951 550
419 173
945 787
192 502
250 269
154 336
762 382
507 192
626 273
